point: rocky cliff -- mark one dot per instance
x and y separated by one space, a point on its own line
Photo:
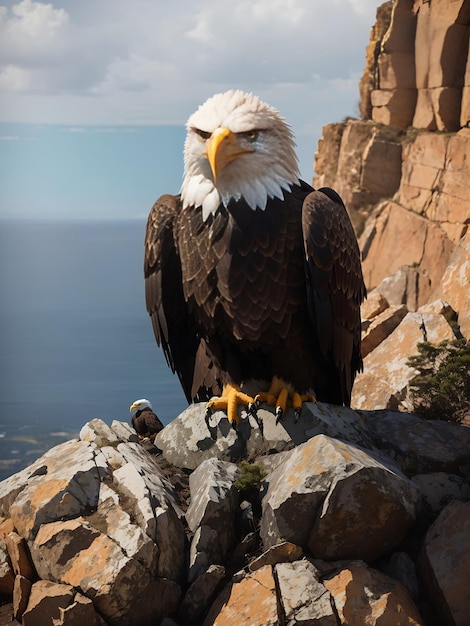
339 517
403 171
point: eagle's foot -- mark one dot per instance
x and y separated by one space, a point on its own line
280 394
229 401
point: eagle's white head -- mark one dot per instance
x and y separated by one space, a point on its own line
237 147
138 405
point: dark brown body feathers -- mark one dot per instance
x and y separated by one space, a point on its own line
254 293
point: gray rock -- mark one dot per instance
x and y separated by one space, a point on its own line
439 489
192 437
205 550
214 497
304 599
150 504
280 553
420 446
200 593
445 563
329 495
67 485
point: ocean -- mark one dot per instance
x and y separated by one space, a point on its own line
76 341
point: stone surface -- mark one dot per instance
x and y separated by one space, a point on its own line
19 556
448 542
384 382
419 445
45 600
251 601
439 488
7 576
424 239
304 599
190 439
80 613
68 480
200 593
280 553
21 593
211 513
308 503
365 596
381 327
453 287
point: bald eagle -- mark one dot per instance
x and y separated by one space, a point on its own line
249 272
144 421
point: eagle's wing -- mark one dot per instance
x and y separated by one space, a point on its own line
173 324
152 422
335 285
164 291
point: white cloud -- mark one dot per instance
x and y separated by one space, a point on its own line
31 31
117 62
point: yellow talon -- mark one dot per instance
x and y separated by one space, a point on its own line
278 396
229 401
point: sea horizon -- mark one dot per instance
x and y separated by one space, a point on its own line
76 342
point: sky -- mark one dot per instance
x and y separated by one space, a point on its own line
94 94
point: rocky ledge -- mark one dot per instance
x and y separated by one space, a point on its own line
343 517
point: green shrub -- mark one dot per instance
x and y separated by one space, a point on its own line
441 389
250 478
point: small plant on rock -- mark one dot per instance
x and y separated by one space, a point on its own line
441 390
250 479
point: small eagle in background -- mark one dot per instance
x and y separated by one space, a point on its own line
144 421
250 273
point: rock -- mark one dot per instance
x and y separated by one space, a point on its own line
384 382
121 529
381 327
280 553
439 488
394 101
69 486
204 551
448 541
304 599
79 613
214 497
251 601
19 556
453 287
440 65
369 80
365 596
419 445
349 157
152 504
382 256
190 439
7 576
375 304
401 567
200 593
123 590
331 510
45 600
211 513
99 433
21 593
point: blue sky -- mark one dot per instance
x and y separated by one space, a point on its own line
94 95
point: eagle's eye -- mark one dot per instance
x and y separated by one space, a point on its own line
251 135
203 134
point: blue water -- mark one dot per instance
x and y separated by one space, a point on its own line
75 338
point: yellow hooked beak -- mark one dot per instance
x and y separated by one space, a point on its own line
222 148
133 407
